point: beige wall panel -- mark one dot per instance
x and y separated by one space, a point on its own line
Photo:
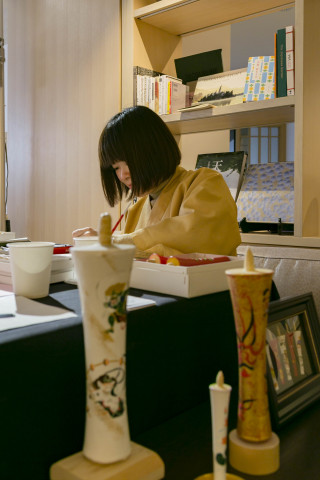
63 85
209 142
155 49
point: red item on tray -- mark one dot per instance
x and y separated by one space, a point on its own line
185 262
58 248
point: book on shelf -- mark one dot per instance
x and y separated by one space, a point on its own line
161 93
177 96
267 193
165 85
281 63
260 80
275 65
138 80
290 59
231 165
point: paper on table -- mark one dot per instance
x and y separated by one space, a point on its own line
133 303
16 311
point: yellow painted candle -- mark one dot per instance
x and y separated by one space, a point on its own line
250 294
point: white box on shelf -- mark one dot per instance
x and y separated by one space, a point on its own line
61 270
181 281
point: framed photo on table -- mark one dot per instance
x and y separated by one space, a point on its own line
293 357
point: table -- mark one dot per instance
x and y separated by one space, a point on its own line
174 351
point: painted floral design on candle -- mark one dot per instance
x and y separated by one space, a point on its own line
103 272
250 293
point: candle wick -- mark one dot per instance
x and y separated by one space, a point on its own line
220 379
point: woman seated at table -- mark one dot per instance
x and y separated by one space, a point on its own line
177 211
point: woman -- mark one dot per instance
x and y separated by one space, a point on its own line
178 211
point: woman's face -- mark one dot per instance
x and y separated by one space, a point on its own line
123 173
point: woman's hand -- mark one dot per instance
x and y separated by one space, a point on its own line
84 232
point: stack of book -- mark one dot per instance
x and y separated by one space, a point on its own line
163 94
284 52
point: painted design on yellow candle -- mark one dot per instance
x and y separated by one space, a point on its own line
250 293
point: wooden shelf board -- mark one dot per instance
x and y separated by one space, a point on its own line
266 112
184 16
280 240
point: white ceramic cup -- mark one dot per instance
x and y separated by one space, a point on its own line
84 241
31 268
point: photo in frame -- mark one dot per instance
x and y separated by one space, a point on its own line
221 89
293 357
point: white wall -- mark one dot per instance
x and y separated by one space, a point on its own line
255 36
63 85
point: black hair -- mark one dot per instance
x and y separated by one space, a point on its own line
138 137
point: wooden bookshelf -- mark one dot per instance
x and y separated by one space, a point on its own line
152 37
267 112
184 16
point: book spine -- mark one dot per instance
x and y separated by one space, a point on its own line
281 63
275 66
156 94
169 97
145 91
164 94
139 99
290 59
153 97
161 79
135 82
149 93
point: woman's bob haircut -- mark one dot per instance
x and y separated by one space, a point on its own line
138 137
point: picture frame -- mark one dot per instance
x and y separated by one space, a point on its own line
293 357
221 89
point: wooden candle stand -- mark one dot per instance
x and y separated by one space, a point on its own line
142 464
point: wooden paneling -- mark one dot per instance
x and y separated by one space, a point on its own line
63 85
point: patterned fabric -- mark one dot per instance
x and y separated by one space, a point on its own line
267 193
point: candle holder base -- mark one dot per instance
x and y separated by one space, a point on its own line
210 476
142 464
260 458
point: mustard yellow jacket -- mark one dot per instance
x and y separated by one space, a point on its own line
194 212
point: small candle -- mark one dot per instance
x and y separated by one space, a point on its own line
105 230
219 398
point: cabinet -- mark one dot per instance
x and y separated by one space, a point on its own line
152 36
